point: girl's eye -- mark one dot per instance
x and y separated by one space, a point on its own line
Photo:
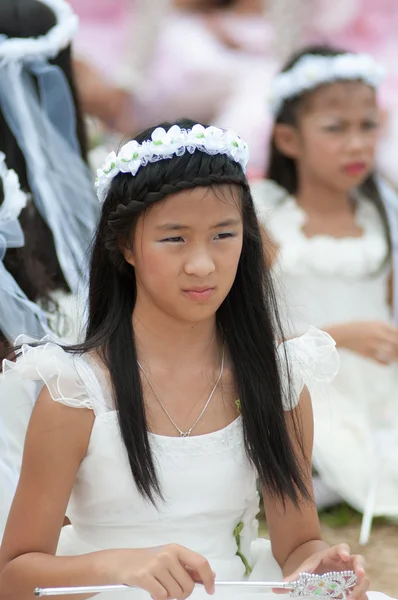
370 125
333 128
223 236
179 239
173 240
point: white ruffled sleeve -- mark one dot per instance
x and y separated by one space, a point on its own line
48 363
310 360
66 378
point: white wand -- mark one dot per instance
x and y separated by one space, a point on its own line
336 585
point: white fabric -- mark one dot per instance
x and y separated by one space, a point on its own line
14 198
325 281
208 482
17 313
44 46
66 200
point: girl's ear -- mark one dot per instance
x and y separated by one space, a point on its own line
127 250
286 140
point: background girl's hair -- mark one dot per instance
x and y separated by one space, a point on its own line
282 169
248 320
35 266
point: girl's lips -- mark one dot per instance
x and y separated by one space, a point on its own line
199 294
355 168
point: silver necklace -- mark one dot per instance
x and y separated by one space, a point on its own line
188 432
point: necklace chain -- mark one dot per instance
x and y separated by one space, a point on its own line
188 432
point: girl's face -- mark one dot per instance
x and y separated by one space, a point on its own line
186 252
337 133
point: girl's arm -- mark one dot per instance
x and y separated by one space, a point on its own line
295 532
56 443
373 339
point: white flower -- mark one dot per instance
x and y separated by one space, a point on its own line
102 187
197 135
14 198
237 148
166 143
13 191
159 136
213 138
110 168
284 85
129 157
311 73
176 139
348 66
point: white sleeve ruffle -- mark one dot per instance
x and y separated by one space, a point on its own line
59 370
310 360
66 378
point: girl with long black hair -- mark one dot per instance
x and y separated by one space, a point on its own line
153 433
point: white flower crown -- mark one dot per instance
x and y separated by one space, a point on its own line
46 46
14 198
312 70
166 144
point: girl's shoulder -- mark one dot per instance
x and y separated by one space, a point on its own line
72 379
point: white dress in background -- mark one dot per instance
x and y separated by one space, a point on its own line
325 281
208 483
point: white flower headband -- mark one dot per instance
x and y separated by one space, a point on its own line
311 71
14 198
166 144
46 46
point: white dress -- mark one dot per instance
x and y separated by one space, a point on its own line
325 281
208 482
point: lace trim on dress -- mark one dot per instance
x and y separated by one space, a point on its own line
360 256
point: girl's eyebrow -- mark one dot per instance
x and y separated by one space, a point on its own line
171 227
179 226
227 223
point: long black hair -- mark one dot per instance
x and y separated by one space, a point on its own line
35 266
282 169
247 320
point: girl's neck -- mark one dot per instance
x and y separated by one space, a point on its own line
165 342
313 197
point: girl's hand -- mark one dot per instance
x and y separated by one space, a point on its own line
166 572
372 339
336 558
